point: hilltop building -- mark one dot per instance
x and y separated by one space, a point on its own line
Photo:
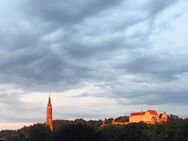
49 122
149 117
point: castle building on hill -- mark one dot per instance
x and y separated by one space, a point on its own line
49 122
148 117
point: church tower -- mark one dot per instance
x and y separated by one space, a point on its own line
49 122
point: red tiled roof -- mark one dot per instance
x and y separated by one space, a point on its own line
153 112
137 113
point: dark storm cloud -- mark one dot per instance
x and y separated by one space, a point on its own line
159 97
164 68
68 12
157 6
170 97
55 45
41 66
145 95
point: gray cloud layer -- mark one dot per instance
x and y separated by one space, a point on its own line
59 44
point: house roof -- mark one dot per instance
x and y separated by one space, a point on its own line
137 113
152 112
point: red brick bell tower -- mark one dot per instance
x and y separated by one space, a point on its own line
49 122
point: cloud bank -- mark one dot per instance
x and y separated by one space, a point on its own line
129 53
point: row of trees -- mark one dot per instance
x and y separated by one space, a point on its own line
143 132
79 130
177 131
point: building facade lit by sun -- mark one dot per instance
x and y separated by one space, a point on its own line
148 117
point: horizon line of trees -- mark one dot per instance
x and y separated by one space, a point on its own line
176 129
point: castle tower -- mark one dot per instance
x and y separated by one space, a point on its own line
49 122
163 117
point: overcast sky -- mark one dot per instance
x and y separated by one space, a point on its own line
99 58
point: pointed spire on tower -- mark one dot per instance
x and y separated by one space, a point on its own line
49 100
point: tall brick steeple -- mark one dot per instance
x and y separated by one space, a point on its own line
49 122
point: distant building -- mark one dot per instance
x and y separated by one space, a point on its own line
49 122
149 117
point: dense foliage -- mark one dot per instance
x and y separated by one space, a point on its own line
39 133
80 130
177 131
76 133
